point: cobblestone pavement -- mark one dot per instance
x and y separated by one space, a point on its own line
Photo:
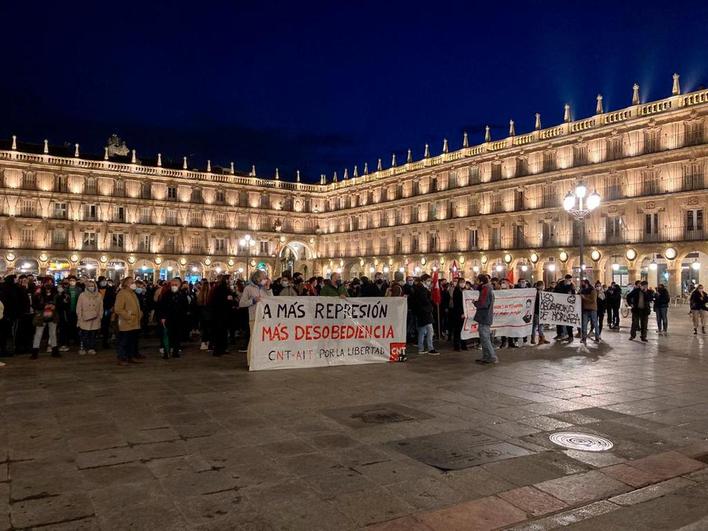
200 443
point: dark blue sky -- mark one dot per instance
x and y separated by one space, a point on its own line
322 86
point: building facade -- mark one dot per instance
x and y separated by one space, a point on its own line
494 207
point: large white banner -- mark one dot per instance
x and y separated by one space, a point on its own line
300 332
559 309
513 312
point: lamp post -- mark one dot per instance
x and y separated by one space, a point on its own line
579 205
246 243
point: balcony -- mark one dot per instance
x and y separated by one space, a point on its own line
696 234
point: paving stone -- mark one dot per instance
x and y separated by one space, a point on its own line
485 513
112 456
568 518
631 475
371 506
194 483
650 492
583 488
427 493
596 459
667 465
50 510
407 523
117 474
533 501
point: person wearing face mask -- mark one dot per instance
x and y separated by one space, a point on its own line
252 294
484 316
71 332
333 287
456 315
286 288
588 296
128 313
46 316
565 286
421 303
89 310
377 288
396 287
640 299
172 314
698 303
108 296
601 306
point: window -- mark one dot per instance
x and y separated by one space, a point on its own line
651 223
220 219
90 213
29 181
495 238
219 245
59 237
89 240
580 155
27 237
220 196
169 244
549 160
473 174
613 229
519 237
27 208
496 171
60 211
264 248
433 242
171 217
433 184
172 193
60 184
398 249
472 206
119 189
197 196
548 233
614 148
90 185
522 166
195 219
414 243
473 241
416 188
196 244
117 240
694 220
145 243
145 215
146 191
452 180
120 214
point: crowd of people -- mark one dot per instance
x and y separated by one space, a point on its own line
88 315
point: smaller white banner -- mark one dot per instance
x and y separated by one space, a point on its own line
559 309
513 312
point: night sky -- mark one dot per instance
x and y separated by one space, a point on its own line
321 86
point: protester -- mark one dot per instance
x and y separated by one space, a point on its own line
421 303
614 301
128 313
108 294
172 313
286 289
221 300
588 301
395 289
661 308
89 311
537 327
639 300
565 286
456 315
46 317
484 316
333 287
601 306
698 302
252 294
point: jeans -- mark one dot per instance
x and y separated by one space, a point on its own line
485 339
536 328
589 316
698 317
613 315
662 318
640 320
600 319
127 346
39 332
87 339
425 332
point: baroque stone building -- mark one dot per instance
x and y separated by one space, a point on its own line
495 207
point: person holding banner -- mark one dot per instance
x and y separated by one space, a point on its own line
484 316
588 298
252 294
334 287
565 286
537 326
421 303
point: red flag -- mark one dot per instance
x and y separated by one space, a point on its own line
435 290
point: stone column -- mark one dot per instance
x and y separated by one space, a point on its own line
674 284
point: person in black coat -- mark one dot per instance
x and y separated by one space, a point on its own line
661 308
220 301
456 315
172 314
564 286
601 306
640 299
16 302
421 302
614 301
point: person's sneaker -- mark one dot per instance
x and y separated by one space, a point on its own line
481 361
64 349
2 364
433 352
162 350
91 352
631 338
243 350
204 346
644 339
49 349
82 352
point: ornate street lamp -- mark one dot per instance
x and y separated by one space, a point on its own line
246 243
579 205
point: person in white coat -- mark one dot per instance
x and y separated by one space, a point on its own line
89 310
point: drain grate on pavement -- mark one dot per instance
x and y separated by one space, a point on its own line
456 450
375 415
581 441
